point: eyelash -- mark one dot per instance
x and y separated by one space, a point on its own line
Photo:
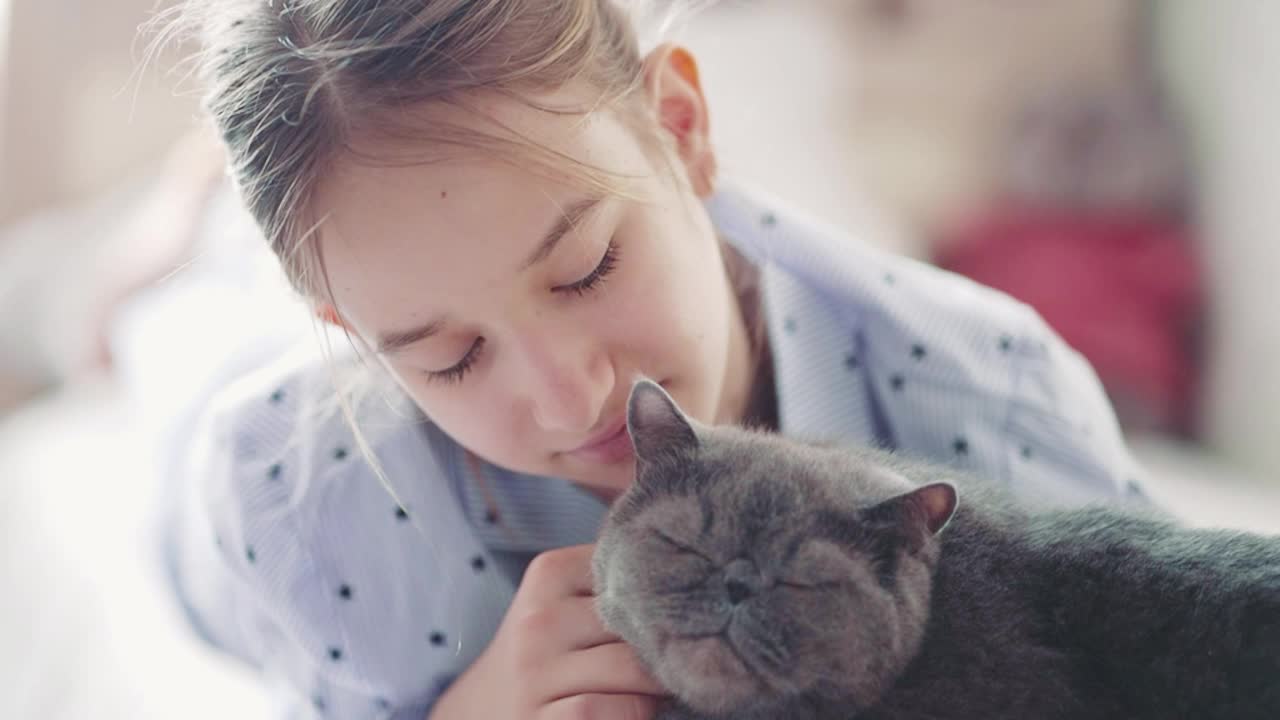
591 282
464 366
607 265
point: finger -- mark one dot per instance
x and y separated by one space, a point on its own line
581 625
563 627
557 574
612 669
604 707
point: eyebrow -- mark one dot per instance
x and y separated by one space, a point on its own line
390 342
395 340
569 218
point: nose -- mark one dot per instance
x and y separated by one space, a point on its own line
738 591
741 581
568 383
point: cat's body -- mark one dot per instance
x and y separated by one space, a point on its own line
764 579
1095 614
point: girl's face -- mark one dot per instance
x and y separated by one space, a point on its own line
519 333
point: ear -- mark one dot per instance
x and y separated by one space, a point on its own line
655 423
675 96
329 314
921 513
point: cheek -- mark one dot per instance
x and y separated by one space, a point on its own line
479 419
840 632
676 305
641 318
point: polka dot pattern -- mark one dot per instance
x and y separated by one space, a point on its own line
401 594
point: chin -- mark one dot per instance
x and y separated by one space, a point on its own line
601 480
611 484
708 676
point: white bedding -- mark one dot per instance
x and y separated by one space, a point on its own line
85 629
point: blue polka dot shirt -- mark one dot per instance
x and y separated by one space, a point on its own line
355 600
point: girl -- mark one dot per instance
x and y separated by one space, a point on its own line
513 213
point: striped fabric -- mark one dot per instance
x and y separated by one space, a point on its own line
356 602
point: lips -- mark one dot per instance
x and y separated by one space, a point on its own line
607 446
612 444
605 435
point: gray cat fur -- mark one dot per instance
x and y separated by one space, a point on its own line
1006 613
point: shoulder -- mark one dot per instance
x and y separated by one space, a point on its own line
360 571
820 264
902 315
301 409
945 367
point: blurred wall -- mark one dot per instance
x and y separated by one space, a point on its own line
4 58
932 85
77 110
889 118
780 119
1224 62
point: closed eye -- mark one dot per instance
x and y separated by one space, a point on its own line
680 547
459 370
608 263
821 585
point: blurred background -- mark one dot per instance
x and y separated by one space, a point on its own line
1111 162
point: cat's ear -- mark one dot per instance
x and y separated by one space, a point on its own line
921 513
656 424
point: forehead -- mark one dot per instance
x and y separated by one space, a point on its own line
389 221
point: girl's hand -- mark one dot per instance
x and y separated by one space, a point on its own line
551 658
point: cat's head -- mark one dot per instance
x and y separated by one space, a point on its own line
748 570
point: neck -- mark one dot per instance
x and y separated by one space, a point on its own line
750 398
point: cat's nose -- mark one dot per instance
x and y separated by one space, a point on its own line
738 591
741 580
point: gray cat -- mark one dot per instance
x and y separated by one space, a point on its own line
760 578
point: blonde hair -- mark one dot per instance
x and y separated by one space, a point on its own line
292 84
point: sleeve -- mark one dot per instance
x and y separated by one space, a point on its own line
975 379
938 367
251 576
1061 433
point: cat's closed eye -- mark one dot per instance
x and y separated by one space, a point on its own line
818 585
677 546
821 565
